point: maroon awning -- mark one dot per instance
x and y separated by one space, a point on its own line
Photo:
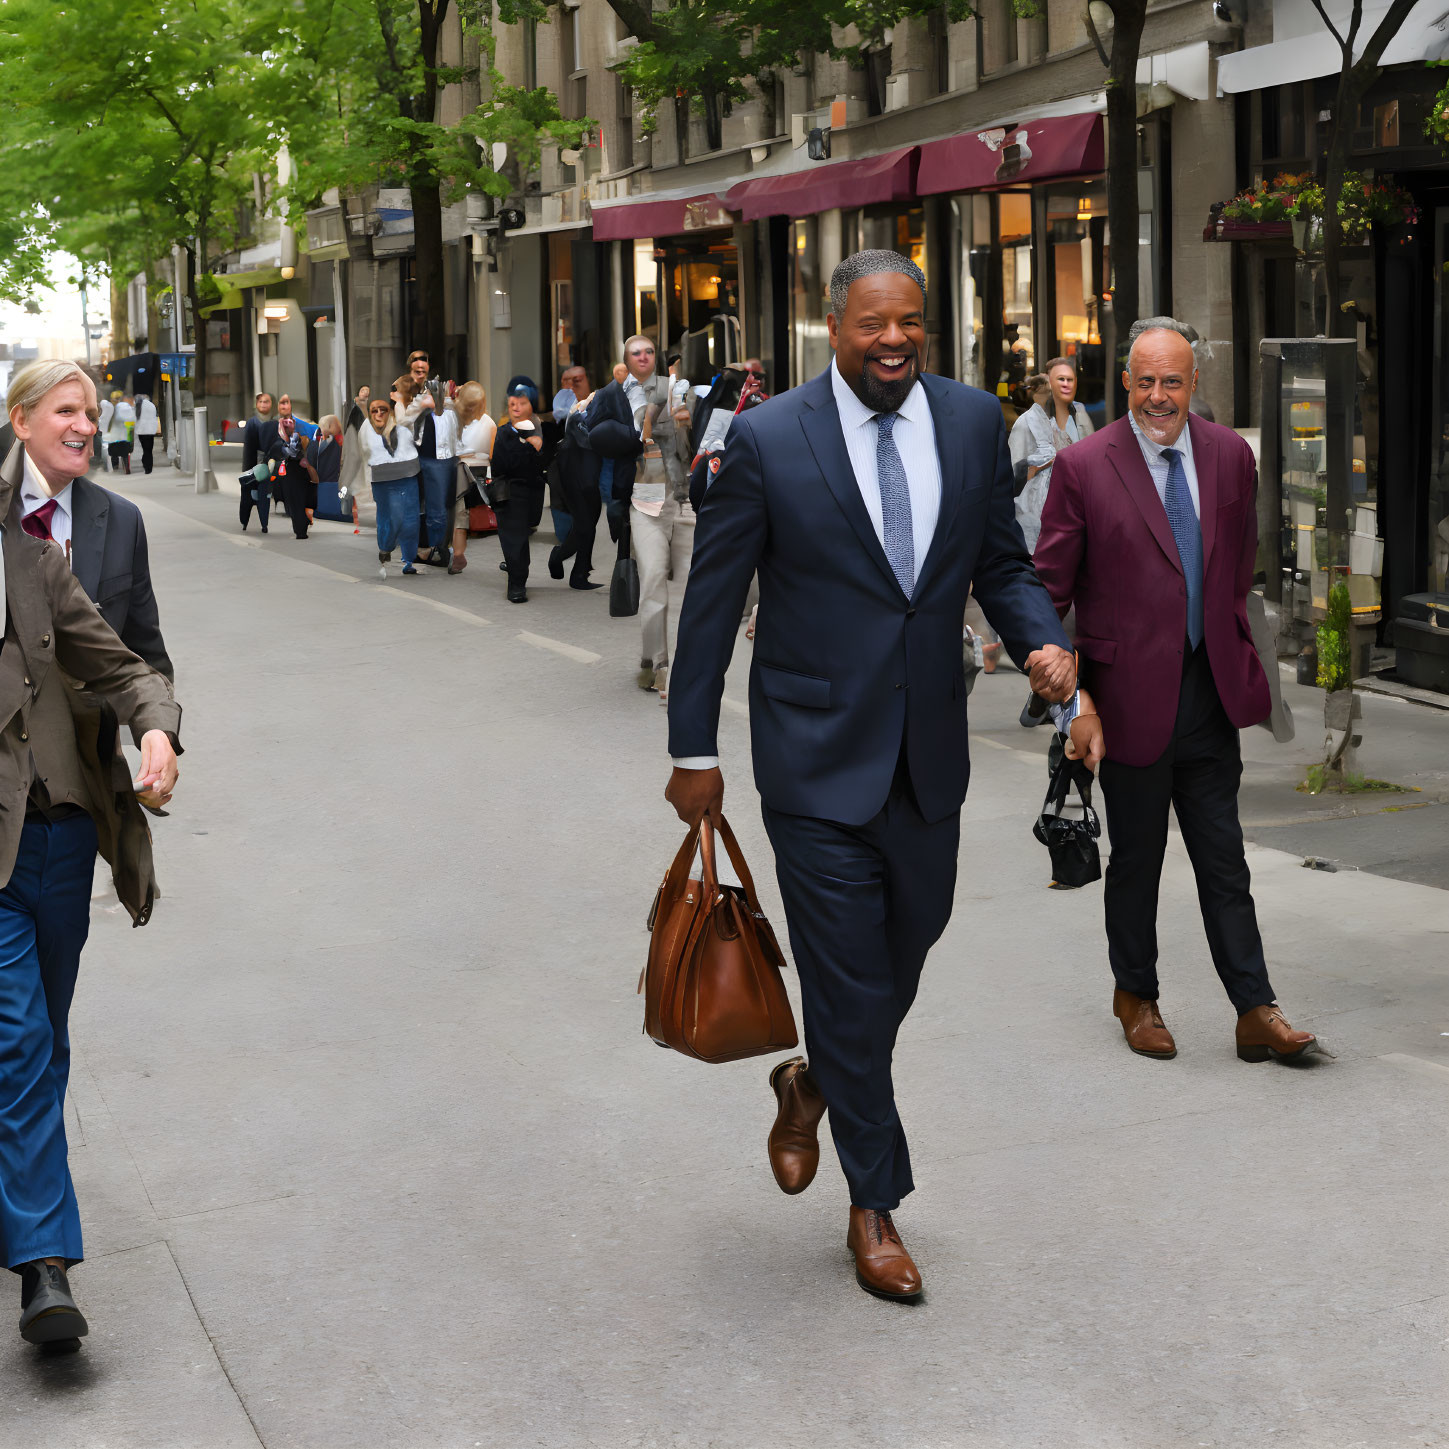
1013 155
888 177
629 220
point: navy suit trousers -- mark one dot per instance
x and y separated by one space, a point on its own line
864 904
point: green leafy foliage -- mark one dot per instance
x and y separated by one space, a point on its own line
1335 642
709 50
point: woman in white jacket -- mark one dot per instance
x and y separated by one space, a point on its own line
118 438
392 469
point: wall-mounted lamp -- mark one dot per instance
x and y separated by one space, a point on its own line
1084 208
288 273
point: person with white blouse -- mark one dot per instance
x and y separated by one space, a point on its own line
474 444
392 469
117 435
148 425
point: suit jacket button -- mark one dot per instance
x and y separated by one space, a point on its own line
910 613
45 638
24 734
900 686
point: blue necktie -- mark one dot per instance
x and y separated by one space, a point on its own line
1187 532
895 503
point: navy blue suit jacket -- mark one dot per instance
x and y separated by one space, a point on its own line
109 558
845 666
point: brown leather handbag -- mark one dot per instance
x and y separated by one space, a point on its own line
712 986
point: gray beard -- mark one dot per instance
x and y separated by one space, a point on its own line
886 397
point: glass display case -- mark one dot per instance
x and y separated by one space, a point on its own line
1317 497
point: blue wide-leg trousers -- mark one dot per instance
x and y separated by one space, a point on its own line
44 919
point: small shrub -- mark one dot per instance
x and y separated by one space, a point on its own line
1335 642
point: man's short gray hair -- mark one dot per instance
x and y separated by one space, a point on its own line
869 264
1185 330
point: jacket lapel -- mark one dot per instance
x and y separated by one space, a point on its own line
1131 468
821 424
91 507
1205 461
947 425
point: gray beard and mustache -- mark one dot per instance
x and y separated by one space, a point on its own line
886 397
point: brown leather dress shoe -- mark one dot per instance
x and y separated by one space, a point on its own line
1142 1025
1264 1032
882 1265
795 1137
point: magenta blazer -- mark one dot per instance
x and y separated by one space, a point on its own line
1107 548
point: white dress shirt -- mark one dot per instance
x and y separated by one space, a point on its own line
915 439
35 494
1158 466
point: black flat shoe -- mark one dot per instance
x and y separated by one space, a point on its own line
587 584
47 1311
437 558
517 594
555 563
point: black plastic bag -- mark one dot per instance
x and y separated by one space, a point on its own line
1071 843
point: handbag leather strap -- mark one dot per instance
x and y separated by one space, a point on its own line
707 828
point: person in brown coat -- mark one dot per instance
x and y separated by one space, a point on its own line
66 684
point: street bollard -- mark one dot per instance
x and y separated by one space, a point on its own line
201 452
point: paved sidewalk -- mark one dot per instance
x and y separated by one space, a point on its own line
371 1152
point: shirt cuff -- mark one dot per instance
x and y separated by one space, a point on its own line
1063 714
696 762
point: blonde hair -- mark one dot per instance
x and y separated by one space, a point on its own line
117 395
331 424
471 401
33 381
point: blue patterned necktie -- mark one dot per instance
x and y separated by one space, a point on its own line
1187 532
895 503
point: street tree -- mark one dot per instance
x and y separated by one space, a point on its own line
1358 70
118 151
373 118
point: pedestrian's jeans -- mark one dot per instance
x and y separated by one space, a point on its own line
44 917
397 517
438 481
662 546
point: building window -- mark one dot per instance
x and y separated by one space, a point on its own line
530 55
573 84
626 128
877 79
938 38
995 36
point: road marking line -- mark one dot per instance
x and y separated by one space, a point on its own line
557 646
1418 1065
1026 755
452 610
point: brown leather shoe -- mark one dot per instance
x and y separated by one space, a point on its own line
795 1137
882 1265
1142 1025
1264 1032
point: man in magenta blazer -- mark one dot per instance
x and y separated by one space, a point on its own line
1150 530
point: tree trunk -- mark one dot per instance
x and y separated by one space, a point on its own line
196 266
430 323
1122 179
1339 323
120 311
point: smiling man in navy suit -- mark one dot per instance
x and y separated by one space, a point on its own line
870 500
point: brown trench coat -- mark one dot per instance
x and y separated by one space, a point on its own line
66 681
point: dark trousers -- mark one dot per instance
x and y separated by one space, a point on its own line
585 505
864 904
263 503
518 516
147 442
1197 775
45 913
294 497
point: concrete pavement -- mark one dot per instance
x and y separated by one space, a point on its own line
370 1150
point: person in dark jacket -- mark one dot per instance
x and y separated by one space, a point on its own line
322 462
258 440
517 465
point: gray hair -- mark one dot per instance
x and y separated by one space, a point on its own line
869 264
1185 330
33 381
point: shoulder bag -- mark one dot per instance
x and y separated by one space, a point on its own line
712 985
624 586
